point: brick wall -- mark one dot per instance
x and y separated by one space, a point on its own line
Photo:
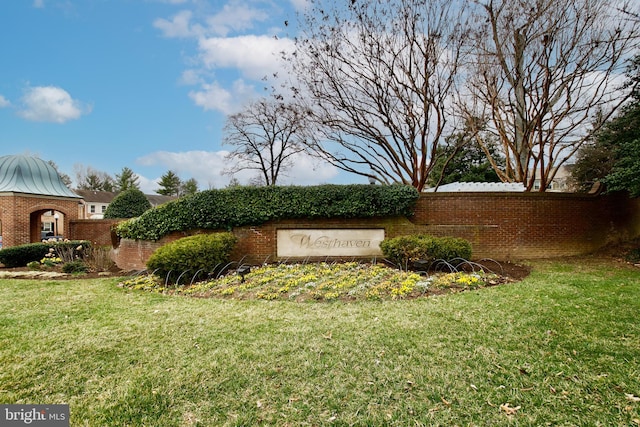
530 225
97 231
20 216
501 226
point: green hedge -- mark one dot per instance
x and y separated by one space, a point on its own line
195 256
235 207
405 250
20 256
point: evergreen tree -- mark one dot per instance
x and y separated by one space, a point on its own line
461 160
94 182
190 186
614 156
89 178
623 134
126 180
170 184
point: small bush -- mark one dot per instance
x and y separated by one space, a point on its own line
405 250
196 256
34 265
75 267
450 248
128 204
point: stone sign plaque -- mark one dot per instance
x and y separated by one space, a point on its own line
329 242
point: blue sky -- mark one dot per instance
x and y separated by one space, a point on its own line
144 84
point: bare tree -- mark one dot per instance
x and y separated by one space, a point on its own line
88 178
538 73
266 135
66 179
377 77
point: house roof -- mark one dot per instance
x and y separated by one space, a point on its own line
31 175
488 187
158 199
106 197
93 196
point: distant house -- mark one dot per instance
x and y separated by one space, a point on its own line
561 182
96 202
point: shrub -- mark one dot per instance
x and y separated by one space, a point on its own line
199 255
128 204
20 256
240 206
405 250
450 248
72 250
77 266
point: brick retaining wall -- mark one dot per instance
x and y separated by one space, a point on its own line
502 226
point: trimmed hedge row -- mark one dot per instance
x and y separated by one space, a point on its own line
20 256
192 257
235 207
405 250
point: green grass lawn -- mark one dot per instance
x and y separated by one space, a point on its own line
561 347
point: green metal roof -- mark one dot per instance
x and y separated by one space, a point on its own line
31 175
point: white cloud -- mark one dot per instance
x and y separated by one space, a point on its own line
38 4
234 16
300 4
206 167
179 26
191 77
214 97
147 185
4 102
51 104
254 56
307 170
228 70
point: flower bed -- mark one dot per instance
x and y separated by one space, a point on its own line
320 282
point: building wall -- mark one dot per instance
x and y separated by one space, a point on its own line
20 216
97 231
501 226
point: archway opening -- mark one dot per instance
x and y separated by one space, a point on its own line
47 225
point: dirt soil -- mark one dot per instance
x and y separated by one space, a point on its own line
512 271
